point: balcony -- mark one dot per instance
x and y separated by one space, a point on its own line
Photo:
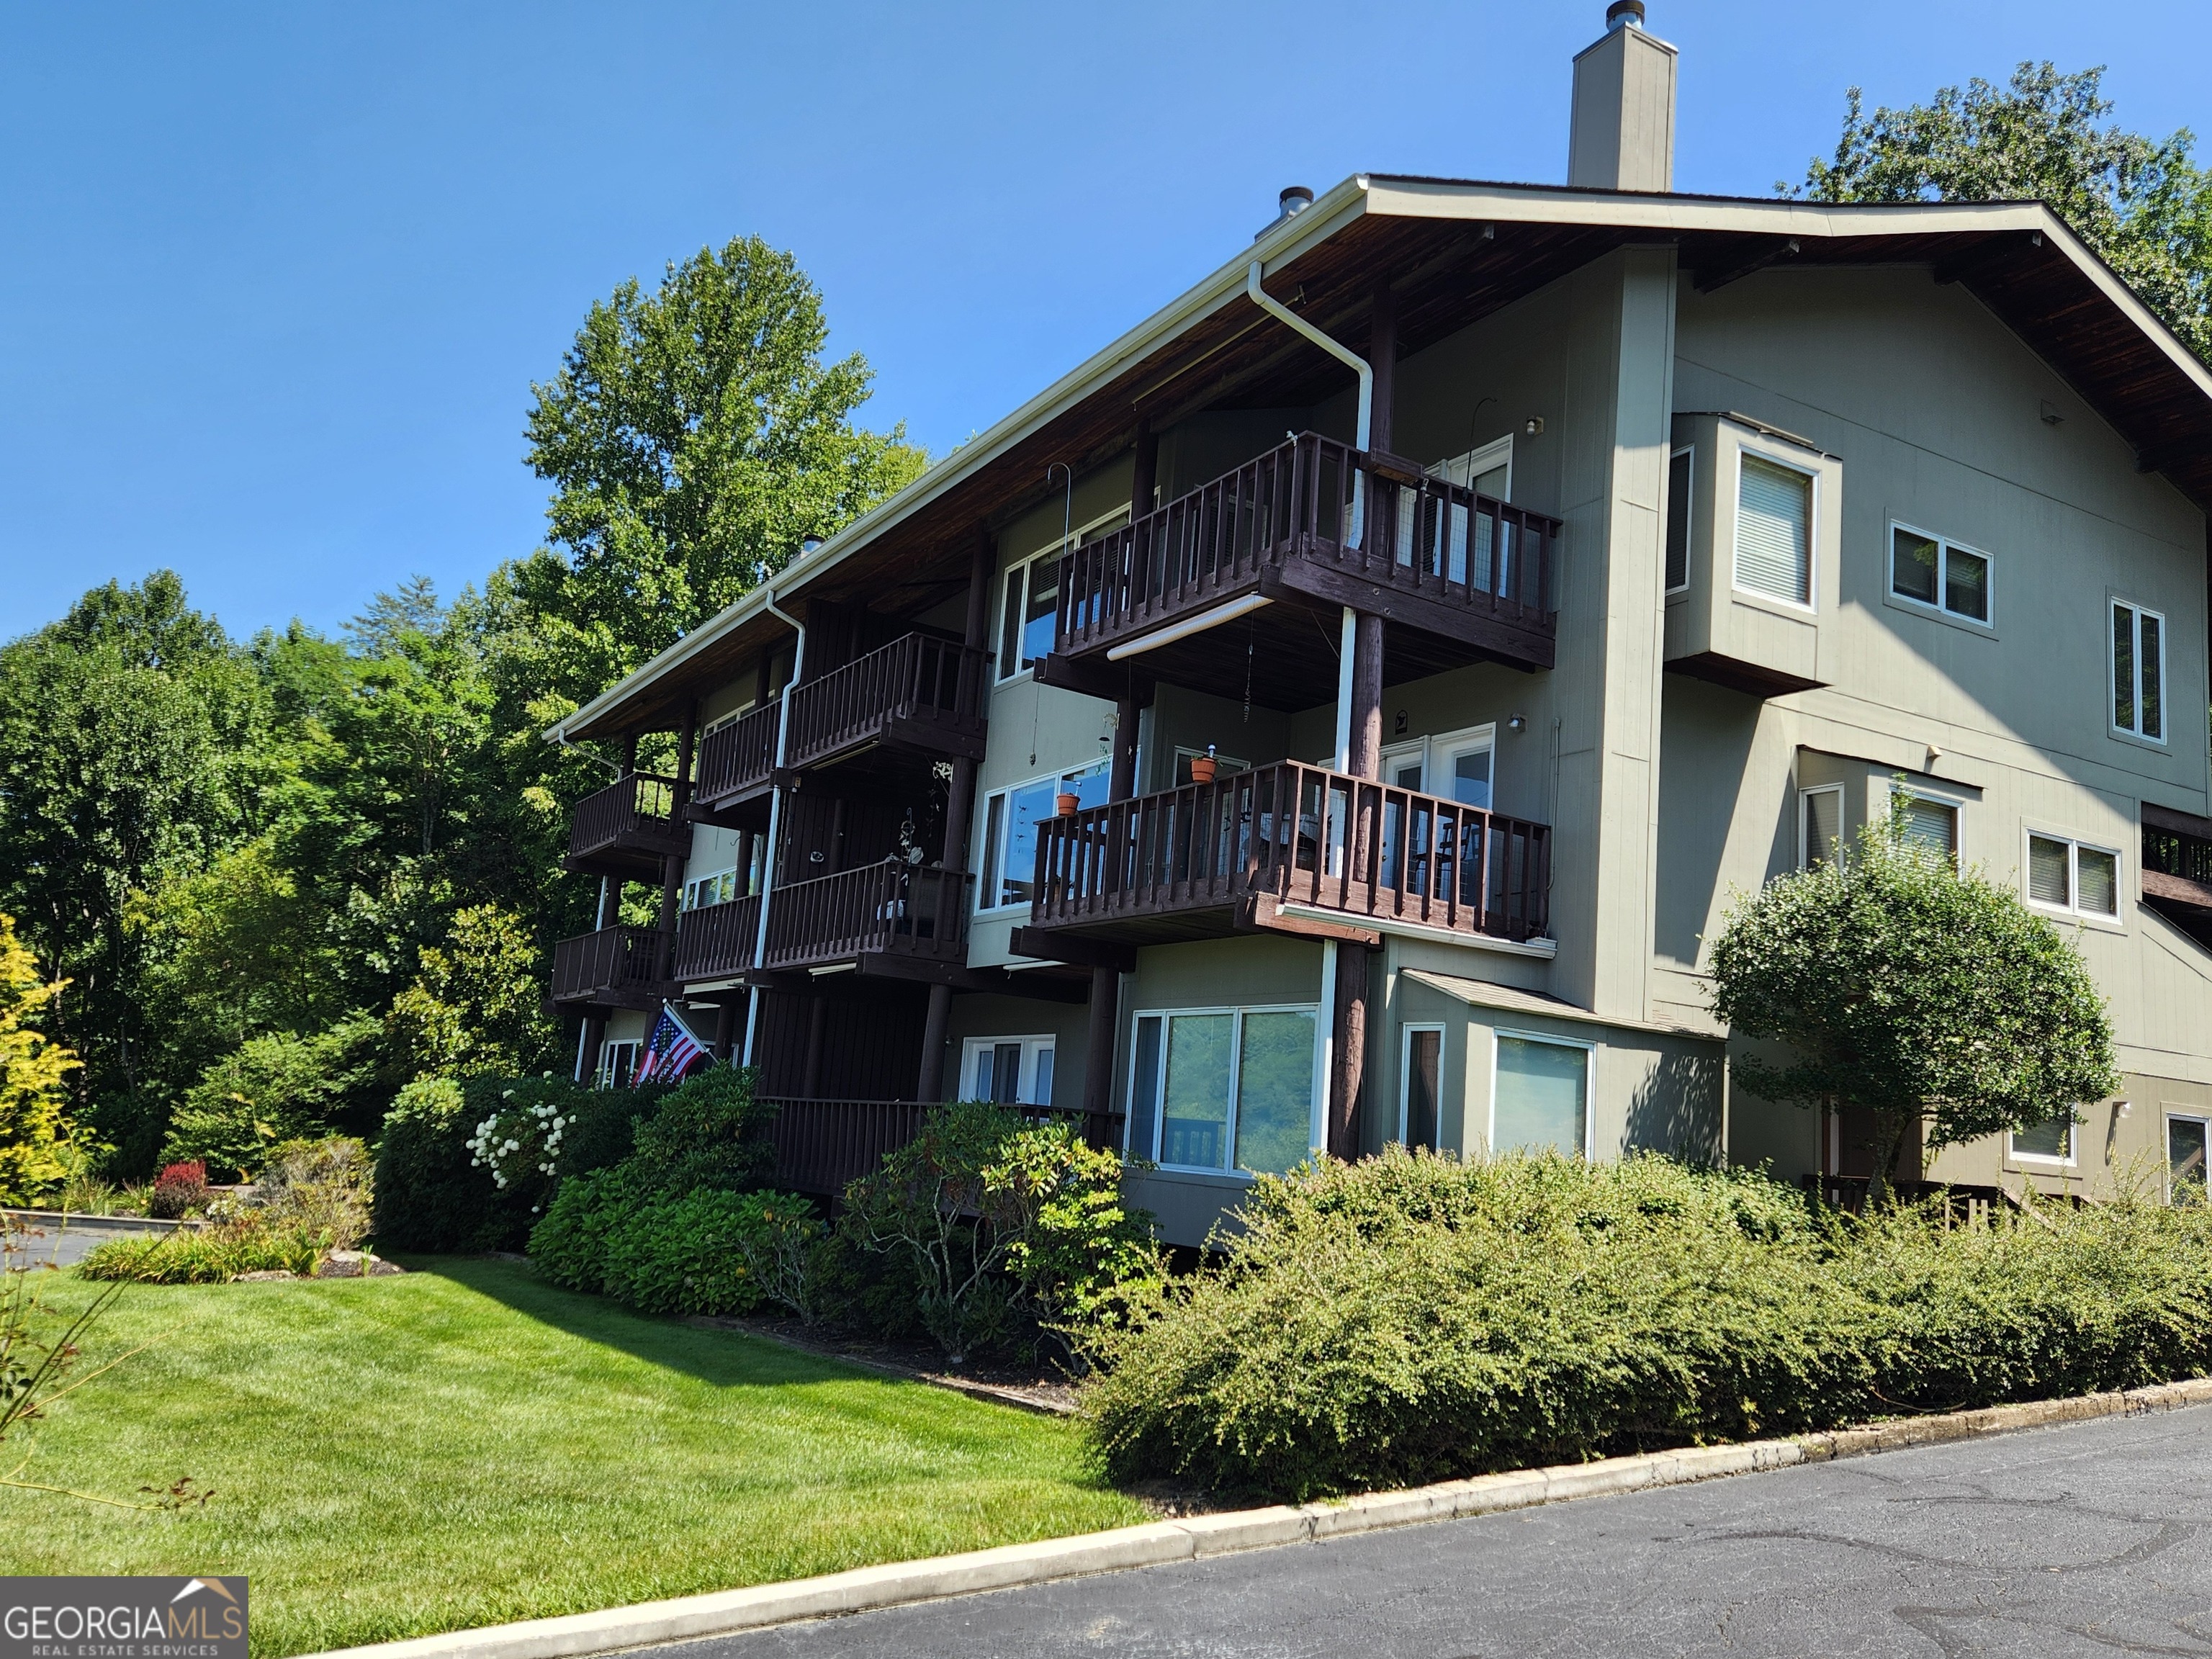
881 917
919 696
1291 848
1220 590
717 941
2176 870
627 829
614 968
737 767
821 1145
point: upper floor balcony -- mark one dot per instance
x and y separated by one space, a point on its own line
737 768
1295 849
626 830
1218 589
613 968
855 918
920 695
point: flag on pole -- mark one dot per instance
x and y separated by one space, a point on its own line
672 1051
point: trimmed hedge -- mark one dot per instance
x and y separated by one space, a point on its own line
1411 1319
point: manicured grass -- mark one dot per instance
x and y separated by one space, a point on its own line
464 1445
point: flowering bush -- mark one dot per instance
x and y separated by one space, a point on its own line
519 1142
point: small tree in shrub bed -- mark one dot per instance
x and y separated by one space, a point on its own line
179 1190
999 1230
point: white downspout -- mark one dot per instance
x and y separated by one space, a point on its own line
1325 1027
775 815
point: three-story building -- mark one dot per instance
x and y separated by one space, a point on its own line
1340 711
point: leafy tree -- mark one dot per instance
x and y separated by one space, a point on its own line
130 754
33 1070
277 1087
2141 204
693 437
476 1008
1918 991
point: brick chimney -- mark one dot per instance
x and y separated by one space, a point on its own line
1624 118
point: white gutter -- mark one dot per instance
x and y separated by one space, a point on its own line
1268 303
1183 630
775 807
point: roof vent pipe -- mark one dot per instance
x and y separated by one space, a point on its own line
1294 200
1624 14
809 544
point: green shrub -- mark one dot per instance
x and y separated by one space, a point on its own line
323 1187
428 1197
518 1137
1411 1318
1004 1231
271 1089
705 1132
212 1254
684 1255
569 1245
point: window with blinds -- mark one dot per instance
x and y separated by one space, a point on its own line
2067 875
1820 824
1774 531
1931 828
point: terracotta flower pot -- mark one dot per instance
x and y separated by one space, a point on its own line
1066 804
1202 768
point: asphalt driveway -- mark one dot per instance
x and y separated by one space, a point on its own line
2090 1539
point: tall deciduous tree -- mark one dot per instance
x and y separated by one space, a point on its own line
1921 993
2141 204
693 437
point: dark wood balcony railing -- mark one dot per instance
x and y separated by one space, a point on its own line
1313 502
822 1145
880 907
717 940
1363 851
737 759
617 966
633 818
920 691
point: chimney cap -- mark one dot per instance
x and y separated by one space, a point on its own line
1295 198
1624 14
808 543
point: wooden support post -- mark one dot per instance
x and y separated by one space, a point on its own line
672 863
629 753
1121 778
1383 358
809 1085
983 566
726 1028
929 1086
1099 1054
687 744
1145 470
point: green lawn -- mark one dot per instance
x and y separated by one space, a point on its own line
463 1445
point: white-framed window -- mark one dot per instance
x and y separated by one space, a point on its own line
1028 598
1487 470
1223 1089
1931 823
2073 877
1010 838
1456 765
718 888
1774 506
1939 574
619 1063
1421 1085
1681 479
2138 676
2186 1139
2046 1143
1819 825
1539 1093
730 719
1011 1070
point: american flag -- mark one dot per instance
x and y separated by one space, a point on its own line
671 1053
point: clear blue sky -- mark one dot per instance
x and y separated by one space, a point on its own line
276 279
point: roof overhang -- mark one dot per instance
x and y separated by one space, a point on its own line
1455 251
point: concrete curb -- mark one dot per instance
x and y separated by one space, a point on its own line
77 1221
868 1589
